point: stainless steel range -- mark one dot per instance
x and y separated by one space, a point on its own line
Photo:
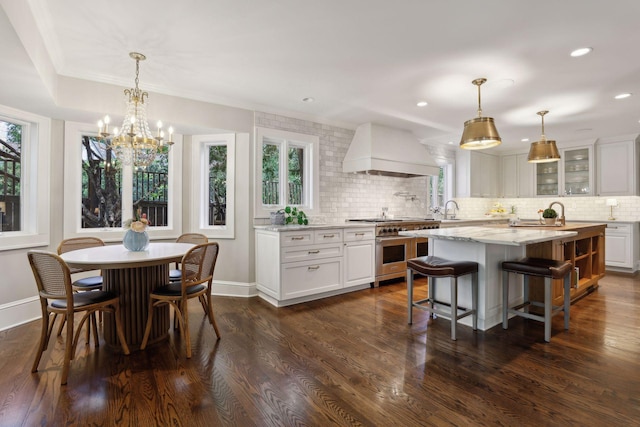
392 250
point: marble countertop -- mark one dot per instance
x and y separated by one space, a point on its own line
490 235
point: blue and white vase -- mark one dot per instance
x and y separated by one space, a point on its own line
135 241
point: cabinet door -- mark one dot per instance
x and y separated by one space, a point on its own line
510 176
525 172
618 251
615 172
547 179
578 172
359 263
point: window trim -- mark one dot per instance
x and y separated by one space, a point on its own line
72 226
35 181
312 170
200 180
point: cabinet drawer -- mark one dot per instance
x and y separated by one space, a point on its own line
618 229
307 253
358 234
328 236
303 278
296 238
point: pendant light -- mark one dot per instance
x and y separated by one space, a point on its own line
543 151
479 132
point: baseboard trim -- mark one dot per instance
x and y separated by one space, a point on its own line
18 312
234 289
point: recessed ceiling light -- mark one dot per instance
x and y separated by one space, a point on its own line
451 142
524 140
422 103
622 96
308 99
581 52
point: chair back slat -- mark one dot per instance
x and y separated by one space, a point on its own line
77 243
51 273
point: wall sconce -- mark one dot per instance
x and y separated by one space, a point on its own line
611 203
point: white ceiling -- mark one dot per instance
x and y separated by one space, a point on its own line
366 60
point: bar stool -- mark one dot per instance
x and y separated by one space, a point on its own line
435 267
539 267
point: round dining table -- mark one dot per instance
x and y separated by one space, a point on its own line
132 276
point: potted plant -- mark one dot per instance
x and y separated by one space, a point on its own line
293 215
549 216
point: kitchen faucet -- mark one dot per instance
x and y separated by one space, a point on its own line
455 209
562 220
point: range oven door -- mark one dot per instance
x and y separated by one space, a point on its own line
392 254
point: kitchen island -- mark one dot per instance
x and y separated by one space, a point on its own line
490 245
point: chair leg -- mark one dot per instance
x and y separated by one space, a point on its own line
212 319
548 303
62 323
119 331
185 330
505 299
147 329
567 299
409 296
69 346
432 293
454 306
94 326
474 300
45 334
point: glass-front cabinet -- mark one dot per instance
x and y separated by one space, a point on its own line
571 176
577 171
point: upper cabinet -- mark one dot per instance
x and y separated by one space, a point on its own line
616 174
517 176
477 174
571 176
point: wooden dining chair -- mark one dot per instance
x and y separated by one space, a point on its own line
175 275
198 265
90 283
53 279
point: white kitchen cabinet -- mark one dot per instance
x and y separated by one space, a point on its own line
517 176
617 167
476 174
621 246
360 256
571 176
310 263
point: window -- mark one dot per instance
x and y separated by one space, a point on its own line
101 192
286 171
24 179
440 188
213 183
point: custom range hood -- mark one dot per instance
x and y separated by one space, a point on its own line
379 150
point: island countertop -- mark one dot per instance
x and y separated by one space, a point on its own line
499 235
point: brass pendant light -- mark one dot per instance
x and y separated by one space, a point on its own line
479 132
543 151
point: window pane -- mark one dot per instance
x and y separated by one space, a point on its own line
101 185
151 191
296 174
10 170
217 185
270 174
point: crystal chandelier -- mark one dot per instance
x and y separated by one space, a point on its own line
133 144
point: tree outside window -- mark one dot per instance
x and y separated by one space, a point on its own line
10 175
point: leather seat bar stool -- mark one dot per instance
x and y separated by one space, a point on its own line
435 267
537 267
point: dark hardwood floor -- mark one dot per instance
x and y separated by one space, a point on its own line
347 360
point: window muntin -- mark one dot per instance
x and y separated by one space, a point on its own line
213 184
287 170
